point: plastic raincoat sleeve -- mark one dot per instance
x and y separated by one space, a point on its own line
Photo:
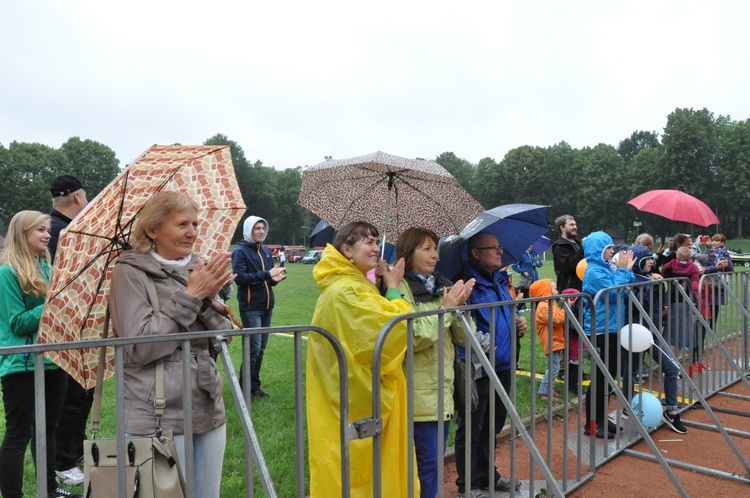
602 278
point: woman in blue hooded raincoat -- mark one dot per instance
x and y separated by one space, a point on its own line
602 273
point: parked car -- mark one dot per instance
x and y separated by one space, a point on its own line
740 258
312 257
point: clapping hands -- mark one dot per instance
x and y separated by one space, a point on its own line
278 273
208 278
458 294
390 276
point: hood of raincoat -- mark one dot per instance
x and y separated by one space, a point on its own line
642 254
334 265
541 288
594 246
247 228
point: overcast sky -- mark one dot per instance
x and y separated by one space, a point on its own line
294 81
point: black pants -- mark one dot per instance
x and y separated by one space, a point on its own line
18 400
602 388
480 435
71 426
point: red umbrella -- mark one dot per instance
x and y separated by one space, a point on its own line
675 205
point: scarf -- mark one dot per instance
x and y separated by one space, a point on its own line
426 289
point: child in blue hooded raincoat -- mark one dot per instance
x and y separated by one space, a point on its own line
598 248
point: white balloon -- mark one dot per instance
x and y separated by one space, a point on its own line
642 338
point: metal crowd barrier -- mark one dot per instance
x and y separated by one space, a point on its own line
254 455
570 458
565 466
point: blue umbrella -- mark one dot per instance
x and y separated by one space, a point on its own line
322 234
541 245
516 226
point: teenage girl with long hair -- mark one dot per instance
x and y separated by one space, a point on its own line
24 279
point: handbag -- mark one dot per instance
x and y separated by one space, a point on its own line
151 464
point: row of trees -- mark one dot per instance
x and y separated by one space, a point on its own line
704 155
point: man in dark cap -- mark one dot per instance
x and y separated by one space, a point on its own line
69 199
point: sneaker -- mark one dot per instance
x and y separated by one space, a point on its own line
600 433
260 393
70 477
61 493
503 484
477 493
674 423
613 427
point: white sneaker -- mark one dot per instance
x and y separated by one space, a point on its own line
70 477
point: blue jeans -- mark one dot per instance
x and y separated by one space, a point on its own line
544 385
258 342
208 460
668 367
426 448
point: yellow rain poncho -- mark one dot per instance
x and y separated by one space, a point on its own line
351 307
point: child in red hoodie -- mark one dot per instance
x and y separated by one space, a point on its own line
683 267
542 288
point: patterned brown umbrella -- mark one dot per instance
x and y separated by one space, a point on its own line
89 247
391 192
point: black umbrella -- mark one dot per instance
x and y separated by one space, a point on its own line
322 234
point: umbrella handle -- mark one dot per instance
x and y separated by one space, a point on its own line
224 310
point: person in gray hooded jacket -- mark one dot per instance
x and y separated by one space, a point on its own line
256 275
162 262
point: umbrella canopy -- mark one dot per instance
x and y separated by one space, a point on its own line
322 234
388 191
541 245
675 205
516 226
88 248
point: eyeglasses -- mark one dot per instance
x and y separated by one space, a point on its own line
491 248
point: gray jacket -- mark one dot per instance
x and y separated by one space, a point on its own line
133 315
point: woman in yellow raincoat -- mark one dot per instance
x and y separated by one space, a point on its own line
352 308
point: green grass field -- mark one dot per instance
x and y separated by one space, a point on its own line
274 417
